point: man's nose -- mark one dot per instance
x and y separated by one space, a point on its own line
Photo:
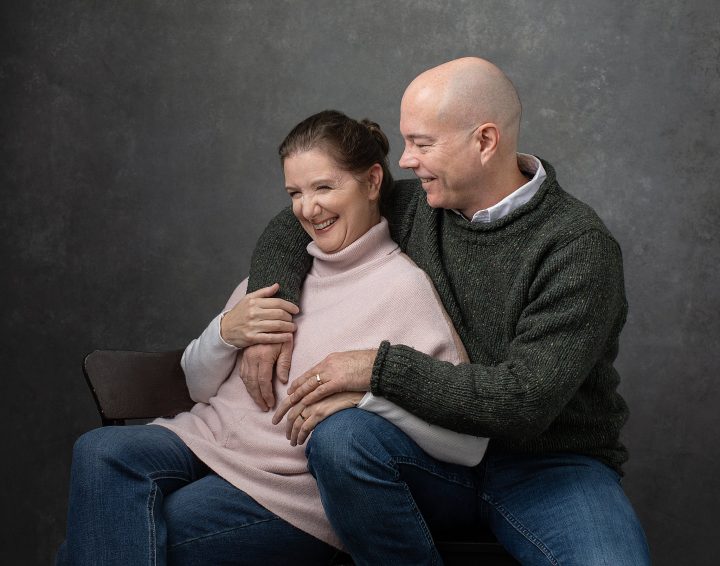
407 160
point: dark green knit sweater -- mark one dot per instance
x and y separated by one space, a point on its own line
538 300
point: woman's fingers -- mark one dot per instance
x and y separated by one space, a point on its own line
301 423
274 326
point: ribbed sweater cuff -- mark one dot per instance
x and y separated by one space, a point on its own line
377 369
390 366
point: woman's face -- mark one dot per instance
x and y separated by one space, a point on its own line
334 206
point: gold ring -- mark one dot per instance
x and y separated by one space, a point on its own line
303 417
319 381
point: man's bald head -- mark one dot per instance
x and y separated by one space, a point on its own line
468 92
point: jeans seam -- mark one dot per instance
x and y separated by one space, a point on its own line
152 534
418 515
152 556
167 475
520 528
421 520
453 478
191 540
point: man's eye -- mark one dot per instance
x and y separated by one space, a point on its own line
294 194
323 188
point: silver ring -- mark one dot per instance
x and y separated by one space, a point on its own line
319 381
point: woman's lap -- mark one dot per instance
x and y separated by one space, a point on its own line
213 521
140 489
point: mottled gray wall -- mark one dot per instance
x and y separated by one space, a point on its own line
138 167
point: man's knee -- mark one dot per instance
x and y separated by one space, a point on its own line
344 439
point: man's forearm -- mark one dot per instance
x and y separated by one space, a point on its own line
570 325
280 256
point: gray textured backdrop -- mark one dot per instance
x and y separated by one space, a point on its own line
138 168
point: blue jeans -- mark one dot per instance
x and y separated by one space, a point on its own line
138 495
384 496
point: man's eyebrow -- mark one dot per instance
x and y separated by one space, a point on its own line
414 137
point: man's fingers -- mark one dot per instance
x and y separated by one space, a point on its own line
302 379
264 380
253 388
249 374
318 393
282 367
282 409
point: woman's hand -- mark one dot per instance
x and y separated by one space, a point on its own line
259 319
302 420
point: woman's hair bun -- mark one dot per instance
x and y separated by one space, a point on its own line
378 134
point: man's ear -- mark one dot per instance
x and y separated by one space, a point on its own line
375 178
487 140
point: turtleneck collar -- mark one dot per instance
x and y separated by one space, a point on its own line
374 244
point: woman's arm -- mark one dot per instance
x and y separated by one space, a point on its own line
207 362
247 319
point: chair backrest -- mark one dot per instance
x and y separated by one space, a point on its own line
136 385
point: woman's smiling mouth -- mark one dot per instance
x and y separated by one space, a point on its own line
325 224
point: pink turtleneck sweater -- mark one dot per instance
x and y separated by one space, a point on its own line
351 300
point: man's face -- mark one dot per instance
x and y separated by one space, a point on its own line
444 156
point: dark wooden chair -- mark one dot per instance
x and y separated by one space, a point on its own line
144 385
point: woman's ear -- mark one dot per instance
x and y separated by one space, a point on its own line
375 178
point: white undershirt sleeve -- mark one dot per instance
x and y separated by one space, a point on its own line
441 443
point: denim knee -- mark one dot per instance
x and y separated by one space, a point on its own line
93 446
113 445
342 440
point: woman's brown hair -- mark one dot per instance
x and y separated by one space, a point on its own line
354 146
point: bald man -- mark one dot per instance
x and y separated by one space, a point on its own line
533 282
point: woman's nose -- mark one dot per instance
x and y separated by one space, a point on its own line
309 207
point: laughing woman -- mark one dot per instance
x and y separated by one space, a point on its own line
221 484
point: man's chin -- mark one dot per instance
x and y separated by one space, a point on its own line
434 201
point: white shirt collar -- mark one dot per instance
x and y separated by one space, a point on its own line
528 164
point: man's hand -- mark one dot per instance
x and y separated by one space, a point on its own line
302 420
259 319
340 371
256 370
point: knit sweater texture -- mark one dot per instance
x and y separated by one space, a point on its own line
538 300
352 299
